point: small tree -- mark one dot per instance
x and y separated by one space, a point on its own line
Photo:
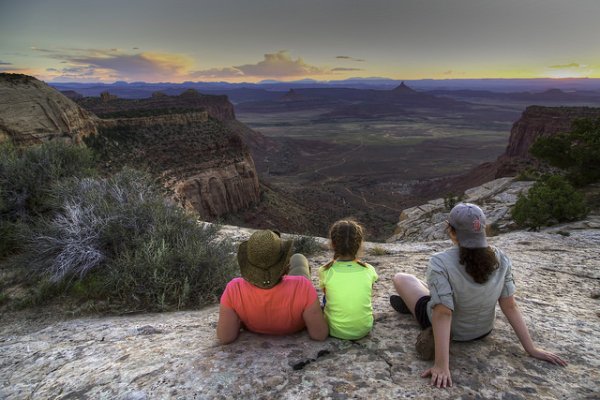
577 152
549 201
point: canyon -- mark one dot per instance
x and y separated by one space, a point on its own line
183 140
369 154
205 159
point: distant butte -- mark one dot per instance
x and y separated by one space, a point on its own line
402 88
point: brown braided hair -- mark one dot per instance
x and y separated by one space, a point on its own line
346 236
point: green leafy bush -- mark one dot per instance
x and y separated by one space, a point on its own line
550 201
118 240
577 152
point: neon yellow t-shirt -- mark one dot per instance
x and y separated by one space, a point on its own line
348 289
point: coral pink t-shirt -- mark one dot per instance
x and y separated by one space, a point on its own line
275 311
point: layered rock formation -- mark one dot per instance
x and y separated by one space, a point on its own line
33 112
535 122
110 106
205 164
175 355
191 142
496 198
222 190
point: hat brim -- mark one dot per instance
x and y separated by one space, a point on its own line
264 278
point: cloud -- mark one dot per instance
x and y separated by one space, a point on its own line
350 58
227 72
75 64
5 63
113 63
274 65
451 72
572 65
280 64
142 66
342 69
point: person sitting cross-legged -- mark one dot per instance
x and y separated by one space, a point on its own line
267 299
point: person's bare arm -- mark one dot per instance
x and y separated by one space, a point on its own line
510 309
228 327
315 322
441 320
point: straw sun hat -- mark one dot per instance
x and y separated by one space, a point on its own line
263 258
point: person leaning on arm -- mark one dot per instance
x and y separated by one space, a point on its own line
274 296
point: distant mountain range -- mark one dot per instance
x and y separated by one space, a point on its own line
144 89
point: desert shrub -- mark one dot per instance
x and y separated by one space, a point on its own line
549 201
27 175
117 239
450 200
306 245
10 242
577 152
528 174
378 251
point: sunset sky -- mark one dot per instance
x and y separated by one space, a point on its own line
254 40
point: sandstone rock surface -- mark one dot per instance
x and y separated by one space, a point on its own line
217 191
33 112
427 221
175 355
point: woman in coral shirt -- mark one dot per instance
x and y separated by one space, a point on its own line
274 296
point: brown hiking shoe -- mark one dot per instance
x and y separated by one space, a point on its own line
426 345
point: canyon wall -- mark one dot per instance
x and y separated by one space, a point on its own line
33 112
205 165
110 106
191 142
536 122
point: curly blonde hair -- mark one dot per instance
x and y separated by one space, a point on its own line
346 237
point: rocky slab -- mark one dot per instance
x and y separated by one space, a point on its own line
175 355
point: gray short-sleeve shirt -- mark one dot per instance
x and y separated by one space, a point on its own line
473 304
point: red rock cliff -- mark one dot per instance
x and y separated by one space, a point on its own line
536 122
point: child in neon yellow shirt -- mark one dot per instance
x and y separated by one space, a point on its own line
347 284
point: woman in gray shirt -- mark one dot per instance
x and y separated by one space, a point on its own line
459 301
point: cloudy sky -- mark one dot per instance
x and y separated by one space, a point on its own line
254 40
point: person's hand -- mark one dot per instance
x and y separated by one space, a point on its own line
542 354
440 377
